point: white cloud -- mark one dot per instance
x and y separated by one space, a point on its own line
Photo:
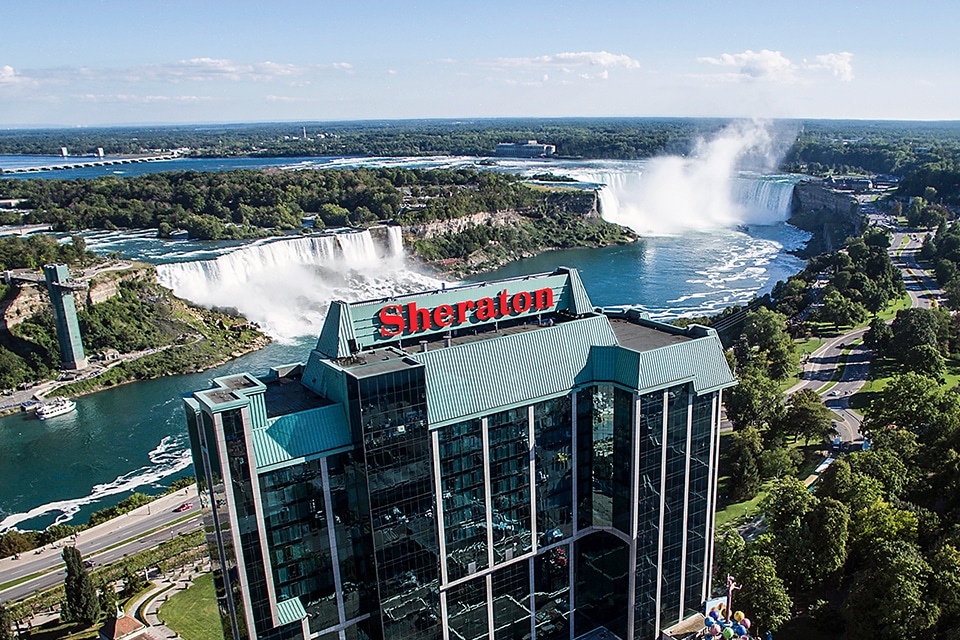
839 64
760 65
570 59
138 99
10 77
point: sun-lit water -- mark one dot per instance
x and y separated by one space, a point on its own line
133 437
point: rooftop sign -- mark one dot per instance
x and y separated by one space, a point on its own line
355 326
405 319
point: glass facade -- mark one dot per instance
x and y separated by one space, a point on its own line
552 593
508 434
650 435
699 507
674 503
295 520
553 459
511 601
463 482
392 412
351 518
467 610
601 566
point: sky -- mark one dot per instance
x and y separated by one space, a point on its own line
88 63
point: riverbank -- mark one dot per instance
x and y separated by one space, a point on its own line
133 329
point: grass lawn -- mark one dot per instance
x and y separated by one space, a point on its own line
193 613
891 311
734 512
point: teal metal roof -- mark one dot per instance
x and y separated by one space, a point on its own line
337 333
296 436
579 300
700 361
479 377
290 611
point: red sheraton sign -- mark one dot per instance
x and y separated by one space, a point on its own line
396 319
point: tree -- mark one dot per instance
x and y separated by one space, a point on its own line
841 311
917 326
745 449
893 593
727 555
6 624
108 597
787 503
756 401
915 403
945 563
807 416
133 582
763 597
827 524
878 336
81 603
765 331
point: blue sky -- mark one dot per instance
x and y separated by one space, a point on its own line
134 62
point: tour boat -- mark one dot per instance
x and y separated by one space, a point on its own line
56 407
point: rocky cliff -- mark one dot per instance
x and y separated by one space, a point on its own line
831 216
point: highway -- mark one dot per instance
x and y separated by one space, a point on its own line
103 544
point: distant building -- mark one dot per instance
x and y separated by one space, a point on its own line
528 149
491 461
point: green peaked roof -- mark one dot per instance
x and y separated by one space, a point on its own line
337 334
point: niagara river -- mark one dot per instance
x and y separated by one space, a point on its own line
711 237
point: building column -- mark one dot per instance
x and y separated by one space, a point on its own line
686 504
663 505
634 515
332 536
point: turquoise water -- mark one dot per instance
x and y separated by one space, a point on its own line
133 437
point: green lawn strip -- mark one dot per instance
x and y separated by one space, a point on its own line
13 583
193 613
904 241
890 311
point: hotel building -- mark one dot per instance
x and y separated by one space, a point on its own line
500 460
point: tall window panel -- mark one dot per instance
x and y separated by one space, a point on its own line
393 414
464 498
511 602
243 488
295 521
553 450
698 507
648 513
467 610
552 583
509 443
675 494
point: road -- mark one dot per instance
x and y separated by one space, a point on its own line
821 365
105 543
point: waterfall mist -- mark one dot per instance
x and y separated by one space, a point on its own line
719 184
286 286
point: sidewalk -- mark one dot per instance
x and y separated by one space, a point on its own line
147 606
